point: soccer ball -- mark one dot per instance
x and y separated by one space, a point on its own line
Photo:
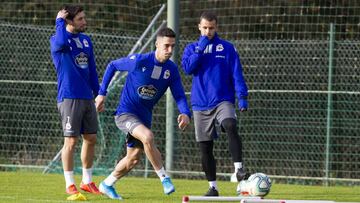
258 184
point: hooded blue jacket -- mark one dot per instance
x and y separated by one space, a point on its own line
217 74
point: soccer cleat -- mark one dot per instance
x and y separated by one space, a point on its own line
91 188
241 174
168 186
109 191
76 197
72 190
212 192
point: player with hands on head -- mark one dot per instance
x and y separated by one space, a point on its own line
149 76
78 85
217 78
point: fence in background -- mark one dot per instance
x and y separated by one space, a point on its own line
295 114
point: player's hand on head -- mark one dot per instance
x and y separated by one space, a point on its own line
62 14
243 104
100 103
183 121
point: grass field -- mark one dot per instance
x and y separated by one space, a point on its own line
36 187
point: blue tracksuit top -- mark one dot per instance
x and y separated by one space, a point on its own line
217 74
74 61
146 82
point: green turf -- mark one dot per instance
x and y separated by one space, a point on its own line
36 187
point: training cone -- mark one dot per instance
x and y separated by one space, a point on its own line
77 197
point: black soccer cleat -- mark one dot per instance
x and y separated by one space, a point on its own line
241 174
212 192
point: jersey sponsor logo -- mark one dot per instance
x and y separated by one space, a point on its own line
156 72
219 47
166 74
132 57
78 43
86 43
219 56
147 92
81 60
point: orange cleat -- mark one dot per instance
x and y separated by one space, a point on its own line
72 190
91 188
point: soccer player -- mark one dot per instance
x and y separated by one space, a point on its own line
217 77
78 85
149 76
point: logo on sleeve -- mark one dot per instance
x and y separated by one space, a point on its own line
81 60
147 92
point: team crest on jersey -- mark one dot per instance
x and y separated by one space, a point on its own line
81 60
166 74
143 69
86 43
147 92
219 47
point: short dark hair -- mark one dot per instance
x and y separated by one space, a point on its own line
209 16
166 32
73 10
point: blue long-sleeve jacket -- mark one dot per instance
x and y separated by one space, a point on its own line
74 61
217 74
146 82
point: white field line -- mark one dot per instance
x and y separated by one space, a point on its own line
30 200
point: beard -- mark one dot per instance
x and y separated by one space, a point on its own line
80 29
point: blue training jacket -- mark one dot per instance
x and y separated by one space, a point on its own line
147 81
217 74
74 61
